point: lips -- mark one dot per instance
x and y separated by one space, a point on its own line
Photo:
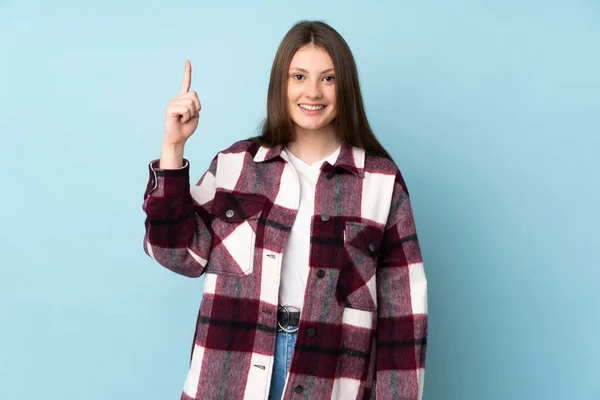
312 107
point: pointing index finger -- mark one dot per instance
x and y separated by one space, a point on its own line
187 78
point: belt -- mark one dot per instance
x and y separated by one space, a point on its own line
288 316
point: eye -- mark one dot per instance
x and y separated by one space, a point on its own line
330 78
298 77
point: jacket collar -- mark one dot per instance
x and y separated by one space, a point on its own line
350 158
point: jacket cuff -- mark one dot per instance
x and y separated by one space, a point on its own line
167 182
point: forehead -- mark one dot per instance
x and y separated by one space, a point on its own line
311 57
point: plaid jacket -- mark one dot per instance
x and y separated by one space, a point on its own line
363 326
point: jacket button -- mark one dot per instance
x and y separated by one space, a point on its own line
229 213
325 217
311 332
298 389
372 248
329 174
320 273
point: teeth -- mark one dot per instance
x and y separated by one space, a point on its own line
311 108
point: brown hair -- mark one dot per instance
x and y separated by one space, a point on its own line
352 124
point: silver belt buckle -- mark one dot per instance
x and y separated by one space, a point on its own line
286 308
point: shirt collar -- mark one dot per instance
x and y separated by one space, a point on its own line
350 158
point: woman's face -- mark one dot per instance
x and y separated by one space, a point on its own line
311 88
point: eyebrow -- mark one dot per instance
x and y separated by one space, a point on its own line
305 71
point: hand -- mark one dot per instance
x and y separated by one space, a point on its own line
181 119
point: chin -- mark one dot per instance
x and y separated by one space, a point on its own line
312 125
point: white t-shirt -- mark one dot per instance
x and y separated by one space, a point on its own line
295 264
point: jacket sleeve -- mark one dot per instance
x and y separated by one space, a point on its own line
402 305
177 218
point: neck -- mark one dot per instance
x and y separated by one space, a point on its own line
313 145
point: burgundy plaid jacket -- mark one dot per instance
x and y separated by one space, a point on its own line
363 326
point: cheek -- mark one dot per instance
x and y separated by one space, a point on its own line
331 96
332 102
333 113
292 94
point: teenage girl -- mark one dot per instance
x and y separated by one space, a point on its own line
314 285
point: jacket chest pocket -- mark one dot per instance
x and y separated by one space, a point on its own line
356 287
233 229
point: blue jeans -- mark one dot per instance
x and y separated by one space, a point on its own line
284 349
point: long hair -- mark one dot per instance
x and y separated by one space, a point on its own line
352 124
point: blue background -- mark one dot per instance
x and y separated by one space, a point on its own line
491 110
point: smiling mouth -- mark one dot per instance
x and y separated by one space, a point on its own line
311 108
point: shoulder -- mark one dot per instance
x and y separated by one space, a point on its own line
244 146
376 163
241 151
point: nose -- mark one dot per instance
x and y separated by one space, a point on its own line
313 90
